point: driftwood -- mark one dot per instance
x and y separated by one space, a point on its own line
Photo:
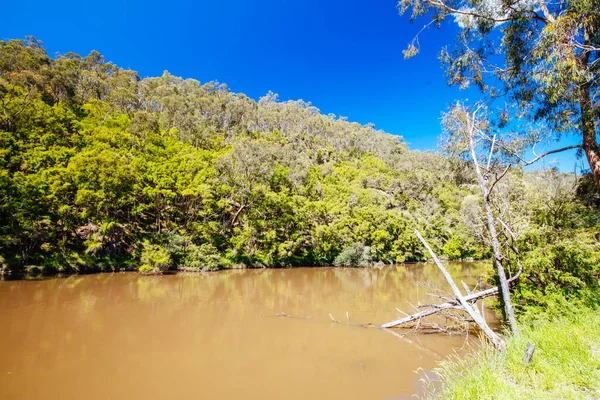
367 325
333 319
468 307
465 303
282 314
436 308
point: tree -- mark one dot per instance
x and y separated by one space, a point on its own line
544 56
24 66
468 132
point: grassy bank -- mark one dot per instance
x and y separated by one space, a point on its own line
565 365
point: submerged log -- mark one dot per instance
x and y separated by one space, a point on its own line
472 298
465 303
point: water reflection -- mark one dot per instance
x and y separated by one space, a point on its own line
215 335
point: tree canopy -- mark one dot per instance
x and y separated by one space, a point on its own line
98 166
539 60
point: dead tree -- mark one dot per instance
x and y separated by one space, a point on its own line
504 154
485 194
470 139
462 302
468 136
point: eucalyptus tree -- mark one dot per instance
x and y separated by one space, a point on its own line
246 170
542 56
24 67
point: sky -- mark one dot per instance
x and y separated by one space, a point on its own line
345 57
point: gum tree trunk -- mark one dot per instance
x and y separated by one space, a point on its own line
588 125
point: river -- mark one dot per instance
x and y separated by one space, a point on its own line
217 336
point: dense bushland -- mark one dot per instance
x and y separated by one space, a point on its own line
101 170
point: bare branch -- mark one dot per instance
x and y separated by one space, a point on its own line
549 17
491 152
493 291
494 338
504 288
577 146
498 179
471 13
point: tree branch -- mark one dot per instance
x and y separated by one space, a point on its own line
444 6
468 308
526 163
549 17
498 179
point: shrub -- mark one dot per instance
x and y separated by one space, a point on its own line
155 259
354 255
452 248
204 257
3 266
559 272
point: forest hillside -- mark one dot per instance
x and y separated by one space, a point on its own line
101 170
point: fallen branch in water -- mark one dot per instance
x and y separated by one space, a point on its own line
367 325
464 303
436 308
282 314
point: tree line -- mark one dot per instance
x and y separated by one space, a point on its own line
101 170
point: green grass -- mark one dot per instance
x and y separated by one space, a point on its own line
565 365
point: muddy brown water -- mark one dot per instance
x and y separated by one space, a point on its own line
216 336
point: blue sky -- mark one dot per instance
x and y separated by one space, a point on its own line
343 56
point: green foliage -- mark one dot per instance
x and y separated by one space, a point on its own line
453 248
354 255
95 161
204 257
537 58
559 247
565 364
96 164
155 259
560 272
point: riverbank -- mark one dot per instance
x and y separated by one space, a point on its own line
565 364
38 272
